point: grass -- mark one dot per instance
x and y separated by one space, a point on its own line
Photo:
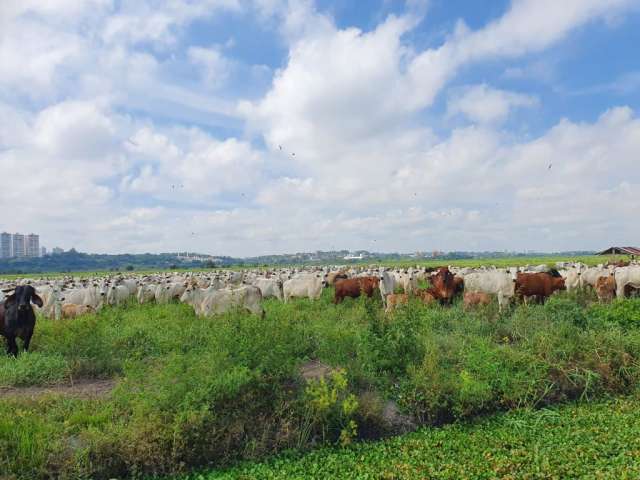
584 440
195 393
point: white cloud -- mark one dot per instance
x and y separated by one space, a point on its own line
483 104
188 165
31 55
214 65
157 21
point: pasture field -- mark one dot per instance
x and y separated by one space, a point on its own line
590 260
191 393
583 440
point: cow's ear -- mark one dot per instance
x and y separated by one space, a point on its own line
10 300
35 298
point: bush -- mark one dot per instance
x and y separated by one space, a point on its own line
621 312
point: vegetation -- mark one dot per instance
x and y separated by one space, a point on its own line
195 393
73 261
584 440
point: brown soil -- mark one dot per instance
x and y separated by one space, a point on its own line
315 370
81 389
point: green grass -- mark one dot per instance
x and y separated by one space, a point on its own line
587 441
195 392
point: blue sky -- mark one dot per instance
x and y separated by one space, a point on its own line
245 127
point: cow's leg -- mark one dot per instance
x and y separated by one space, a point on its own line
12 347
27 340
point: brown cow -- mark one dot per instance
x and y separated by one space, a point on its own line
458 284
354 287
428 296
473 299
606 288
71 310
537 285
444 286
394 300
333 277
619 263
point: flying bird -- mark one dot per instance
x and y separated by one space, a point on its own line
280 147
550 165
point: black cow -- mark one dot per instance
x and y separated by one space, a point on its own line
17 318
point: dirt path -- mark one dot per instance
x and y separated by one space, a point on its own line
80 389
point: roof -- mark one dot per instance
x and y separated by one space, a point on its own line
621 250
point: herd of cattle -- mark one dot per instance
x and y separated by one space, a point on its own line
215 292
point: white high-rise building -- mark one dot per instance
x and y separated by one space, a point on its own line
6 245
19 245
32 245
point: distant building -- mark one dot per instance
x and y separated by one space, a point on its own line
32 245
57 251
631 251
19 246
6 245
43 251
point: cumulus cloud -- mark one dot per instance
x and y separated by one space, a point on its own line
483 104
190 165
157 22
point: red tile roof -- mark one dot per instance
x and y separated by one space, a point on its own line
622 250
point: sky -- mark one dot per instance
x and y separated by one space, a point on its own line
251 127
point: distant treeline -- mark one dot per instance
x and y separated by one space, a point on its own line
73 261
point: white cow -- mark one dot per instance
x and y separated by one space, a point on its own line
407 281
269 287
589 276
210 301
131 285
303 286
498 283
117 295
572 278
146 293
388 284
627 276
166 292
93 296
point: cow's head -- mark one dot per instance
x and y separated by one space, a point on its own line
22 297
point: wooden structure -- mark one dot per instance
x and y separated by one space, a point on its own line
632 251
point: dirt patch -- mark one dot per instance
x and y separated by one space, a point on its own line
80 389
315 370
